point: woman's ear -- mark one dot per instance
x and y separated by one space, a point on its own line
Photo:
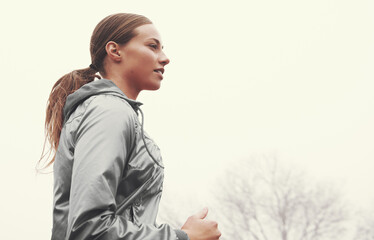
112 50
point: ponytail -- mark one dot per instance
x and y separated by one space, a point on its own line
54 119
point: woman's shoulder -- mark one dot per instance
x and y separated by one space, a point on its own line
109 102
104 105
102 115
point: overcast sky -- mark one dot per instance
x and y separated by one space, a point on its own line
291 77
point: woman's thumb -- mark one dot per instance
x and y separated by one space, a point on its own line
202 214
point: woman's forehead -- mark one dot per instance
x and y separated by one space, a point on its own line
147 32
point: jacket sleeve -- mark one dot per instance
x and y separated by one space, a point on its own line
102 141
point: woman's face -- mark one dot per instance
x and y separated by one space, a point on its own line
143 59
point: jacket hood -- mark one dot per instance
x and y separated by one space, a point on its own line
100 86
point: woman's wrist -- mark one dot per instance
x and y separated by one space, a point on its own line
181 234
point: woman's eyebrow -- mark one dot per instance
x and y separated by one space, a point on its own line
157 41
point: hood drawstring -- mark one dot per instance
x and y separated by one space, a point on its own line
145 144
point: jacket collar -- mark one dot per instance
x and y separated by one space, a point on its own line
99 86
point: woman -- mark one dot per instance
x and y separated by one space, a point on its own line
108 173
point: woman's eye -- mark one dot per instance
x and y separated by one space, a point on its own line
153 46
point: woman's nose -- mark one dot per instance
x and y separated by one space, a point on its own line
164 60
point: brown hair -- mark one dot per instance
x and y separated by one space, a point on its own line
118 28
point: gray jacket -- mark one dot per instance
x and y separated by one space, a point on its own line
108 173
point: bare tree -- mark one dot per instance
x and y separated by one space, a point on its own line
365 226
261 200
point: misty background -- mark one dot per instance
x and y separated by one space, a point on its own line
292 79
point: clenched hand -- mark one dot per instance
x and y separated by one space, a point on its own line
198 228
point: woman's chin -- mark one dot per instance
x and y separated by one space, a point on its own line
154 87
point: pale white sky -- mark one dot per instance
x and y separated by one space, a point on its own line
246 77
